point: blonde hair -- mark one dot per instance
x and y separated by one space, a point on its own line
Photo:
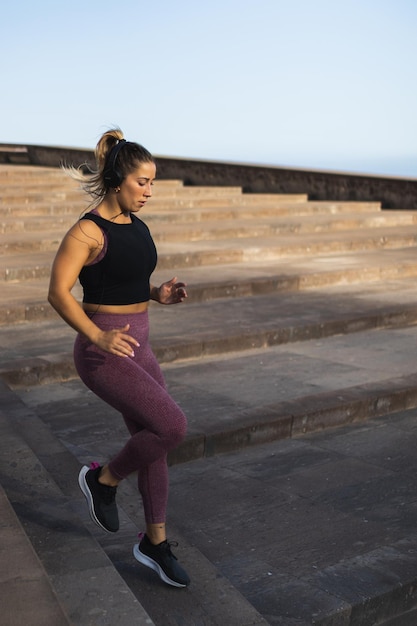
96 181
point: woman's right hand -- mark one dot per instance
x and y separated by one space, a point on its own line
117 341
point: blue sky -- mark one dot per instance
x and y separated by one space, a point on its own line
322 84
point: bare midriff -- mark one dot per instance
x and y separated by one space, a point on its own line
137 307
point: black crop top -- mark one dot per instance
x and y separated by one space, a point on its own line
122 275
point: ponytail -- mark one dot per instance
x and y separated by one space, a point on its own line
110 170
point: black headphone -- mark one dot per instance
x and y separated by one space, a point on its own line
112 176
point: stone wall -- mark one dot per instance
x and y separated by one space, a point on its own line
392 192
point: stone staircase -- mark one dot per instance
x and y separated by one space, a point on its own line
301 317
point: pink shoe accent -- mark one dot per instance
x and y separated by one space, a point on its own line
94 465
141 536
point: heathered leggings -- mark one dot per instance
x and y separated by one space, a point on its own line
135 386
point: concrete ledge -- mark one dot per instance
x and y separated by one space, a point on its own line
43 368
393 192
293 419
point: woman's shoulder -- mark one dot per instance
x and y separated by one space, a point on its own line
93 216
87 230
93 222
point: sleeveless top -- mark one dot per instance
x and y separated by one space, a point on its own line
121 275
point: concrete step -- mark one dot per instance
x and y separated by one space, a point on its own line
199 330
263 202
247 250
25 301
27 197
243 223
53 208
239 206
194 200
82 580
52 217
43 175
76 204
95 577
10 174
20 192
24 581
46 185
315 530
329 513
207 191
27 241
259 226
36 223
40 176
228 251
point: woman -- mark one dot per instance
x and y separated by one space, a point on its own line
112 253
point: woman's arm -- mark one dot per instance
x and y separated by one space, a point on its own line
79 246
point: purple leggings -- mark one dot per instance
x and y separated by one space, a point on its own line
135 386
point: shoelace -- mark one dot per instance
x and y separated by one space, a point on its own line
166 547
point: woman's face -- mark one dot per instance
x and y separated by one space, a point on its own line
136 188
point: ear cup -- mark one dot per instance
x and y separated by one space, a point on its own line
112 177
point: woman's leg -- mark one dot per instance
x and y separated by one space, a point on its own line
154 420
136 388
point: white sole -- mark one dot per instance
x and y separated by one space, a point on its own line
146 560
86 491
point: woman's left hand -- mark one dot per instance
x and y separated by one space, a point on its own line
172 292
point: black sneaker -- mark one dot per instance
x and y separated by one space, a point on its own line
161 559
101 498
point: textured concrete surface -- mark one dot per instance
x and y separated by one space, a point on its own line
27 595
318 529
